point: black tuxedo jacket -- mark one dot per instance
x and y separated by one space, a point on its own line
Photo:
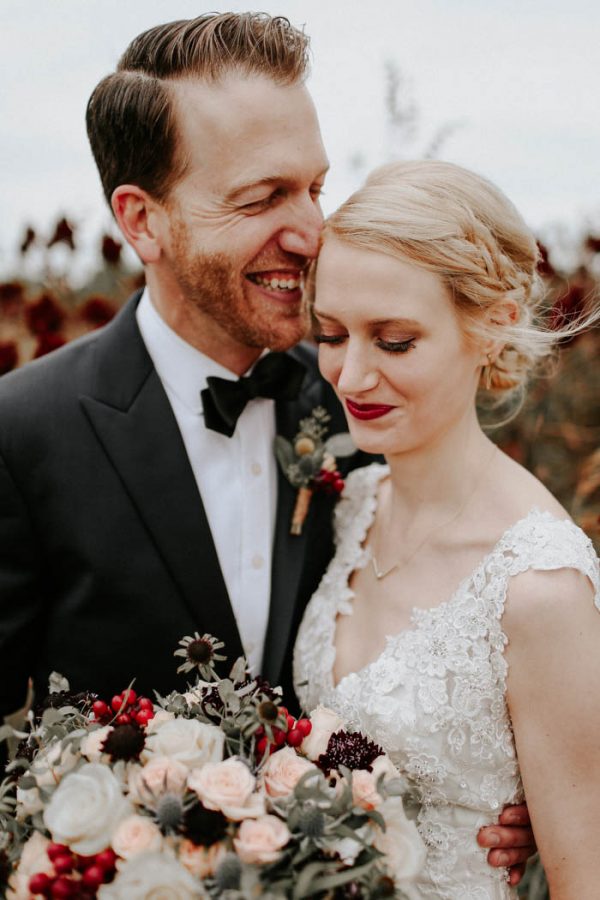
106 556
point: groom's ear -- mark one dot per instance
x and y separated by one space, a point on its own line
140 219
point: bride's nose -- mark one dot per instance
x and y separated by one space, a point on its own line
358 372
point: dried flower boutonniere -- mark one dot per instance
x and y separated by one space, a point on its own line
309 461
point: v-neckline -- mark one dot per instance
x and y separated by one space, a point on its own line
418 614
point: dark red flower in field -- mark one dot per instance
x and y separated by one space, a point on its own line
544 266
592 243
12 295
568 307
9 356
47 342
138 281
111 250
97 311
63 234
44 314
28 240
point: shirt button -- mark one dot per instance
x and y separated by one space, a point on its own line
256 468
257 561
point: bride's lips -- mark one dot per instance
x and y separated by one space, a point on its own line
365 411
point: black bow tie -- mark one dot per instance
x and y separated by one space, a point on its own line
276 376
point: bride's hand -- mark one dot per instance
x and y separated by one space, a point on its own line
512 841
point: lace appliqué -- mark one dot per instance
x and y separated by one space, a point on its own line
435 697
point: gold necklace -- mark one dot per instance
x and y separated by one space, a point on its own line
380 574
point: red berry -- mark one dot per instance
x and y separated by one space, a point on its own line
54 850
304 726
283 711
123 719
63 865
93 876
100 709
261 746
142 717
106 859
145 703
40 884
83 862
62 887
116 702
290 722
295 737
338 485
279 737
129 696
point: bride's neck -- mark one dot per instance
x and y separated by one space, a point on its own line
440 475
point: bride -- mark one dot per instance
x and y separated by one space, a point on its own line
456 624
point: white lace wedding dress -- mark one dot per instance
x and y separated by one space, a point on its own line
435 697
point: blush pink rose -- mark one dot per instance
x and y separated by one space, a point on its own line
229 787
261 840
34 859
136 834
324 723
202 862
160 775
283 771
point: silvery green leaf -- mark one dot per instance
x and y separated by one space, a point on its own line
57 683
238 670
284 452
340 445
327 882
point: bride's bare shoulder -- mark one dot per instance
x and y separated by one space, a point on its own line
519 491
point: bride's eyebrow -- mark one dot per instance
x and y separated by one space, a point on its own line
403 323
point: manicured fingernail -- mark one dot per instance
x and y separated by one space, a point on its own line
492 839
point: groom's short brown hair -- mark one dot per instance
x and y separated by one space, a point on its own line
130 119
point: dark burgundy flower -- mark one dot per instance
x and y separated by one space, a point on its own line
97 311
111 250
12 296
568 307
9 356
44 314
28 240
63 234
48 342
353 750
592 243
124 742
203 826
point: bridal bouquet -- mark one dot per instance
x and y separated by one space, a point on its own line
215 792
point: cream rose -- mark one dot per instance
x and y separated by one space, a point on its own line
29 802
283 771
324 723
53 763
152 876
85 809
160 718
202 862
160 775
91 745
400 842
187 741
227 786
364 789
34 859
136 834
261 840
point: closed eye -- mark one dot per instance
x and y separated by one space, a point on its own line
329 338
396 346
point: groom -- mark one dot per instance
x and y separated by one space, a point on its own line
139 496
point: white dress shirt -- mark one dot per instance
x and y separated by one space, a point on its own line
236 476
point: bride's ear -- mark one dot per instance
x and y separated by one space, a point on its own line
499 318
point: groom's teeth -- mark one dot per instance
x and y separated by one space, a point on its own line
277 284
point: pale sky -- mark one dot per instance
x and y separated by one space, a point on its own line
518 79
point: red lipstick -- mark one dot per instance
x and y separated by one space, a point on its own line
365 411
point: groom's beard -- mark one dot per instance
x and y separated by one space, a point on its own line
214 285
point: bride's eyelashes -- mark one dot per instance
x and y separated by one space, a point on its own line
388 346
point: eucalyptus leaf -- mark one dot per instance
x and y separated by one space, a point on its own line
327 882
340 445
284 452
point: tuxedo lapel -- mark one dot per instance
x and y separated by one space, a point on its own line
133 420
289 550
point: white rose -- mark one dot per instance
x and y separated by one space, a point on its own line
159 776
201 861
136 834
152 876
91 745
34 859
283 771
349 848
324 723
228 786
400 842
160 718
261 840
85 809
364 784
187 741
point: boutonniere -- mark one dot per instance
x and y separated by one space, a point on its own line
309 461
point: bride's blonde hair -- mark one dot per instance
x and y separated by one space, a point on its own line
461 227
